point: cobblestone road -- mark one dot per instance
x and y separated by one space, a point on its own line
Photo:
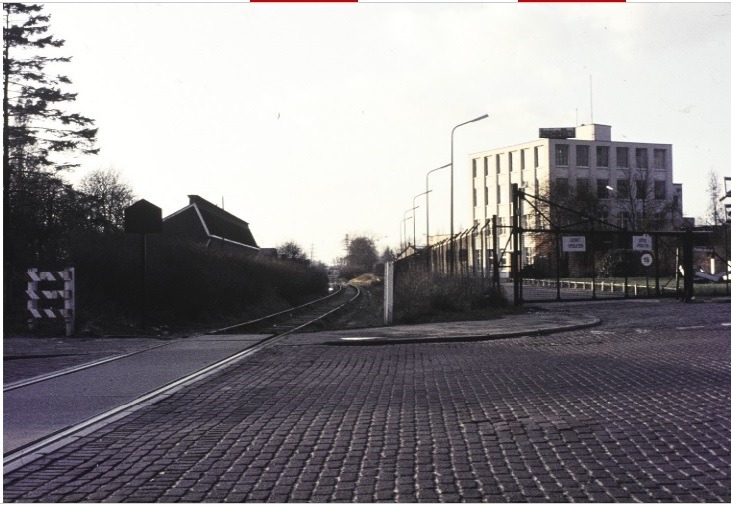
637 409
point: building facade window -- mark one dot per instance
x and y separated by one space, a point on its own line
487 199
624 219
582 156
603 215
623 157
659 159
602 156
623 188
602 190
499 196
660 220
562 186
641 158
485 169
641 189
535 157
497 163
562 155
583 187
660 191
522 159
510 161
474 167
474 197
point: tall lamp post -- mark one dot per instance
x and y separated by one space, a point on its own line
451 191
427 198
415 207
404 244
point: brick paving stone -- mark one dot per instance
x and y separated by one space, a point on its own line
606 414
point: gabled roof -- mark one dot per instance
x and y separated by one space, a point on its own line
219 224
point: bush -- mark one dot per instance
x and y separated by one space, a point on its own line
187 284
423 297
619 263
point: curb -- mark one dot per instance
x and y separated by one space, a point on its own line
366 341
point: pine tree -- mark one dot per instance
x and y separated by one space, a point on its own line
35 125
40 138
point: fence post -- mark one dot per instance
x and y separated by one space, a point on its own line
495 255
388 294
688 266
517 236
69 303
32 291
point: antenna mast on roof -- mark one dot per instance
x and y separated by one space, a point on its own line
591 101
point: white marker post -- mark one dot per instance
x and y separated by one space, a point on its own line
388 294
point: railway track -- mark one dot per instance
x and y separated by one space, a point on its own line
70 415
297 318
275 325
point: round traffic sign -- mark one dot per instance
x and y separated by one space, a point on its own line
646 259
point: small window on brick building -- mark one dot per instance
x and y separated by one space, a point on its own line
623 157
641 158
622 188
660 192
659 159
562 186
641 189
602 156
602 188
582 156
562 155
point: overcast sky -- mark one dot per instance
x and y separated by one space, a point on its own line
313 121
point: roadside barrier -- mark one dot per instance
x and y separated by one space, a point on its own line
49 298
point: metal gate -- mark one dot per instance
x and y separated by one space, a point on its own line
585 258
568 264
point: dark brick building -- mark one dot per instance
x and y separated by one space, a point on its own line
206 223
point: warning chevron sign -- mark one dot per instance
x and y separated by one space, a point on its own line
46 297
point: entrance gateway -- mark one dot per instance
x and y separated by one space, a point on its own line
580 257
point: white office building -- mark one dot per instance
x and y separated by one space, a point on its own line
630 183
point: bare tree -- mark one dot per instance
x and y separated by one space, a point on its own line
290 250
362 256
714 211
107 196
641 207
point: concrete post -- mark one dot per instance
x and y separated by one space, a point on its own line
388 294
69 303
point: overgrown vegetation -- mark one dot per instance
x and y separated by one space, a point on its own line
187 284
430 297
362 257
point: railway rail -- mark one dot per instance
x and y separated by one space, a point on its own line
264 332
276 324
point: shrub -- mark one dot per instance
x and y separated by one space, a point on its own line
421 297
619 263
186 283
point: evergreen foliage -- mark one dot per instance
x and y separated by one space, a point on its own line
40 139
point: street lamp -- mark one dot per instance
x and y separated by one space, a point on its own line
427 198
415 207
403 222
451 190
